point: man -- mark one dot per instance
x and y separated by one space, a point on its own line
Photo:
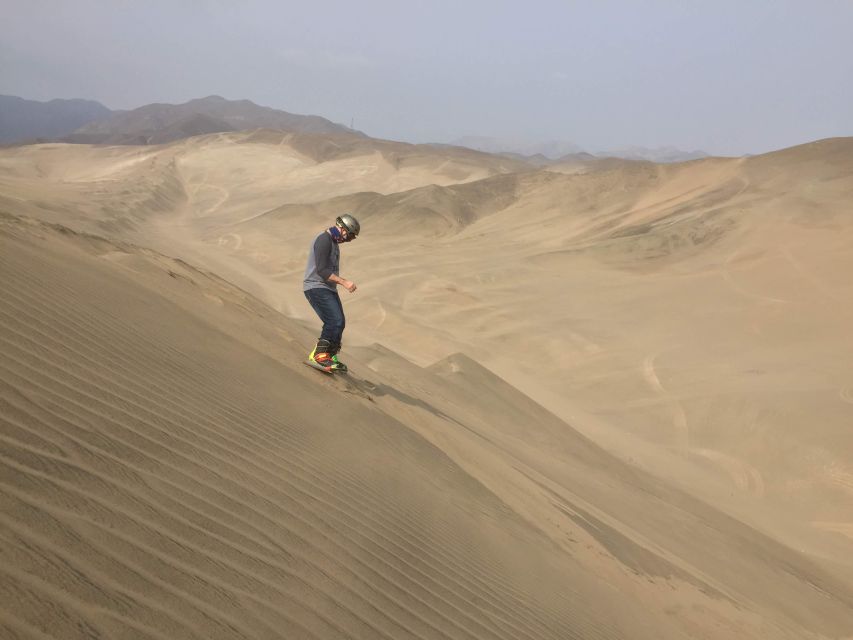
322 277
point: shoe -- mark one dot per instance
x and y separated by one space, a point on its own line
337 365
321 357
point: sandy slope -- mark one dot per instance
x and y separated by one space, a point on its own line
171 470
693 318
703 306
161 478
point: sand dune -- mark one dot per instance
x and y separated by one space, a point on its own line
161 479
171 470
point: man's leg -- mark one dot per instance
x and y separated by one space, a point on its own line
327 305
338 337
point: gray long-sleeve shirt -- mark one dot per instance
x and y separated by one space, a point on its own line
324 259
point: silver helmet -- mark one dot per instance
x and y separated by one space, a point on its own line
349 223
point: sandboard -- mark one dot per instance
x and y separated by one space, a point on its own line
316 366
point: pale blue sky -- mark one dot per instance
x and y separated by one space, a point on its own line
727 77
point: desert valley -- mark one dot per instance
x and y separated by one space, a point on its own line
599 398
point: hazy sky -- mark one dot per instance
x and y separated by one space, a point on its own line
727 77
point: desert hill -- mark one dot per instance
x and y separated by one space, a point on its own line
177 128
646 368
172 470
116 187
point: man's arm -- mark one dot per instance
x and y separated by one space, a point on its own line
349 285
322 249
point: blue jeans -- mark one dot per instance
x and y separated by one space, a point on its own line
328 306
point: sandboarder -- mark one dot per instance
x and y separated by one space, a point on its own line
322 277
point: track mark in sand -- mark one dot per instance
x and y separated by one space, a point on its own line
224 195
588 347
727 276
838 476
844 528
679 417
817 283
286 335
744 476
260 256
759 314
846 395
224 239
383 314
650 374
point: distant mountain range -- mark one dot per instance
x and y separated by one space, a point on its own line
552 149
158 123
85 121
658 154
27 119
544 152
